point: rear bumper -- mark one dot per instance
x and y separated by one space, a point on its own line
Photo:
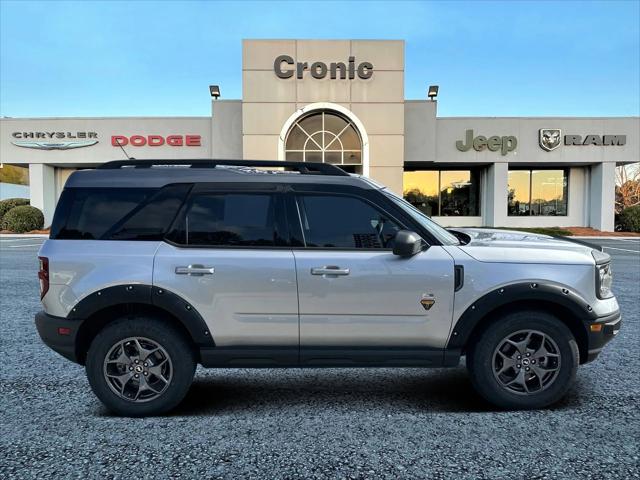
600 332
59 334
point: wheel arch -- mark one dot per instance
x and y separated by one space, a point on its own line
104 306
564 304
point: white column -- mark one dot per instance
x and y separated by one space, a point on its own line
42 189
602 201
495 195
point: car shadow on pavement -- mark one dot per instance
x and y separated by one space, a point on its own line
241 391
362 389
233 391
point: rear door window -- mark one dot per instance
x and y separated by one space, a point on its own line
232 220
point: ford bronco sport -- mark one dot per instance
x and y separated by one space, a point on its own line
153 267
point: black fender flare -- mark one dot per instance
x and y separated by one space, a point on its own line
161 298
563 297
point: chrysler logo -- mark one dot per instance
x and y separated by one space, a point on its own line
44 145
550 138
54 140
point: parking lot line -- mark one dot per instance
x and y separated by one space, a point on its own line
621 249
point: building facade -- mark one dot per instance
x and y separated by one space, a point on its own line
342 102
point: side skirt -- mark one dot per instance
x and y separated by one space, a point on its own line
334 357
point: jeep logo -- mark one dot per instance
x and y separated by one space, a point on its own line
504 144
283 66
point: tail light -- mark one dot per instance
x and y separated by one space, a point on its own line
43 276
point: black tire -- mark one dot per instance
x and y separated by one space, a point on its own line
172 342
480 361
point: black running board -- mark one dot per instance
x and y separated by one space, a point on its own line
338 357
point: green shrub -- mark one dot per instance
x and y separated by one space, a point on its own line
9 203
630 219
22 219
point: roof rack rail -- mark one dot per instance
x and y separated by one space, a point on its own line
304 168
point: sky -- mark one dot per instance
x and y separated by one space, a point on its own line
516 58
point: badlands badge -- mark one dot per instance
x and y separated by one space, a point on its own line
550 138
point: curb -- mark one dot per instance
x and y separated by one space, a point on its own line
582 237
24 235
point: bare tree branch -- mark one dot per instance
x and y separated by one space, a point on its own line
627 186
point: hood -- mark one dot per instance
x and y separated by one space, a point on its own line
509 246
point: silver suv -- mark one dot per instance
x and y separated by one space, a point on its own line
153 267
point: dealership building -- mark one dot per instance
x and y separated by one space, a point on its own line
342 102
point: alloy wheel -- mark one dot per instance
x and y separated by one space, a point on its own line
526 362
138 369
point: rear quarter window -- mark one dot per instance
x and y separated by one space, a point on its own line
116 213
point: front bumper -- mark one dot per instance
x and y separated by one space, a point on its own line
59 334
600 331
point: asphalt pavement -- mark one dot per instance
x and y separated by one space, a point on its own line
315 423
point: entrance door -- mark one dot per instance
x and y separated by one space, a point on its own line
355 294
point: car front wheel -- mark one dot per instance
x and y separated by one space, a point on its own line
526 359
140 366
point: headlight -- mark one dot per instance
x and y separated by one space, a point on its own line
604 280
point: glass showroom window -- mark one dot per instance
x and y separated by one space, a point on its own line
538 192
324 136
447 193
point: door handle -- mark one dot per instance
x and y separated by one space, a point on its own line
329 270
195 270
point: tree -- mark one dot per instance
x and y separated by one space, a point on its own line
13 174
627 186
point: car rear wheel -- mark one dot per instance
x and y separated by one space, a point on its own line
140 366
526 359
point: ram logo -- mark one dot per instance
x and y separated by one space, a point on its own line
550 138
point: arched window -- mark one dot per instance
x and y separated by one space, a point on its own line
324 136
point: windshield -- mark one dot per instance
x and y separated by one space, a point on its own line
432 227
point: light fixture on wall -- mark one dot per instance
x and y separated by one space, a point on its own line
214 90
432 92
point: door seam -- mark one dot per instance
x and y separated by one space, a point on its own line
153 264
295 269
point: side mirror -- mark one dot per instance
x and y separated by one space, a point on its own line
407 243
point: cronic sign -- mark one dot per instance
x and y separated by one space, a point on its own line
285 66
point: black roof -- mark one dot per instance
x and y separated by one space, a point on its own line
157 173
